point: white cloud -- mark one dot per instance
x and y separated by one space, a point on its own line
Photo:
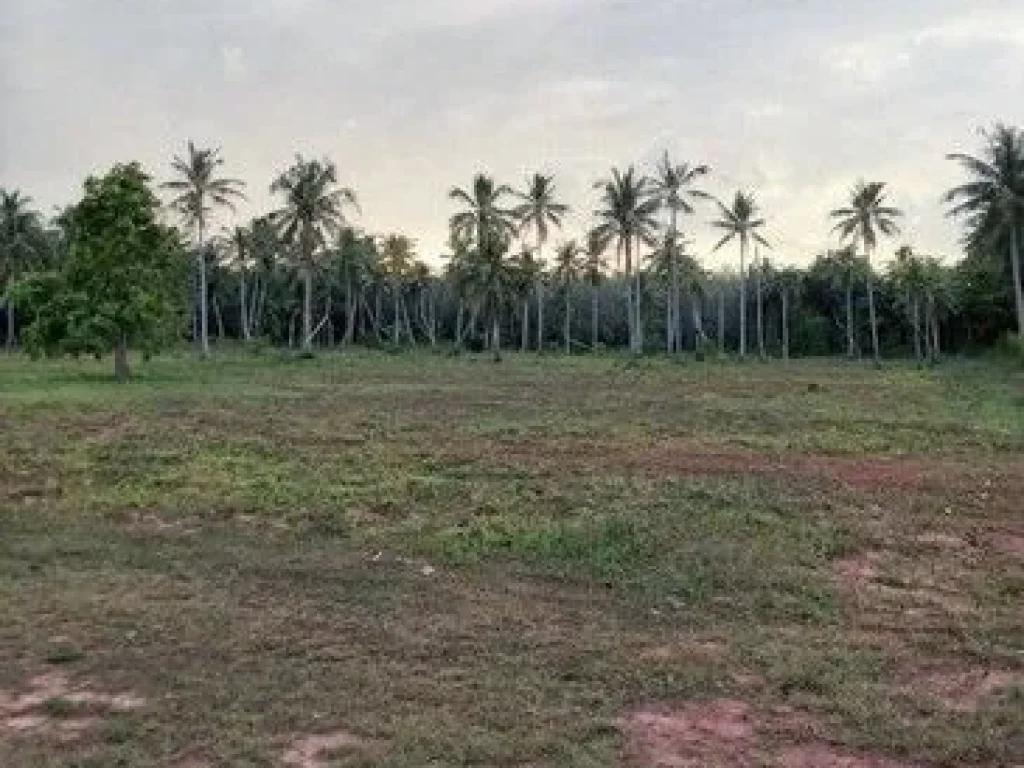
233 63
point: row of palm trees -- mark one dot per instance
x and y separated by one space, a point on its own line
640 217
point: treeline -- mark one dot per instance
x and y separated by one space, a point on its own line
304 276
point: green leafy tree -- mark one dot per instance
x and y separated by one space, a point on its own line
862 222
628 218
673 185
992 202
539 212
313 215
21 246
741 221
198 192
529 273
120 283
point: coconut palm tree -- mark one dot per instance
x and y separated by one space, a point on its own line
567 272
741 221
593 271
539 212
397 254
199 191
313 214
992 202
484 216
528 272
21 245
628 217
863 221
673 186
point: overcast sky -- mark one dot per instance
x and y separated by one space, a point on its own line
792 99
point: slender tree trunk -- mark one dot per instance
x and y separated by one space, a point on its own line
638 302
350 310
540 295
698 321
932 328
524 341
496 339
594 309
785 325
743 298
327 315
1018 289
721 319
307 310
10 326
220 319
458 325
871 311
398 318
672 319
760 302
244 301
204 322
121 371
630 315
850 353
670 342
404 306
916 320
567 329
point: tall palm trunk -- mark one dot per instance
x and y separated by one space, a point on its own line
525 331
850 353
204 320
567 328
10 326
637 302
307 309
244 301
743 297
760 302
398 318
916 320
630 316
1018 289
593 318
350 309
540 295
721 319
496 338
871 313
785 325
674 342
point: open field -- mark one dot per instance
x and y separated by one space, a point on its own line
414 560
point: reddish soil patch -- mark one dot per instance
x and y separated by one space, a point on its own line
24 712
317 750
826 756
963 690
691 650
859 569
1009 543
697 735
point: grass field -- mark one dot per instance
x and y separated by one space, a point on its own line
426 561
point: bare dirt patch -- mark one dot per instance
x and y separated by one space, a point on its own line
714 733
1009 543
860 569
962 691
26 711
316 750
827 756
687 650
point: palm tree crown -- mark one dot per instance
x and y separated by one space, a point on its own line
539 209
484 217
629 211
198 189
740 220
313 211
867 216
673 184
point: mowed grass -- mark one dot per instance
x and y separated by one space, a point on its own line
469 564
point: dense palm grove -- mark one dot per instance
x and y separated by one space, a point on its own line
305 275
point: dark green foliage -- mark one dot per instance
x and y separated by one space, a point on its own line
121 282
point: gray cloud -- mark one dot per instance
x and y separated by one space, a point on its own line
794 99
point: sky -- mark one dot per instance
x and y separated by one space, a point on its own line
794 100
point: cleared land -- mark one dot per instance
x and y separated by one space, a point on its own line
422 561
